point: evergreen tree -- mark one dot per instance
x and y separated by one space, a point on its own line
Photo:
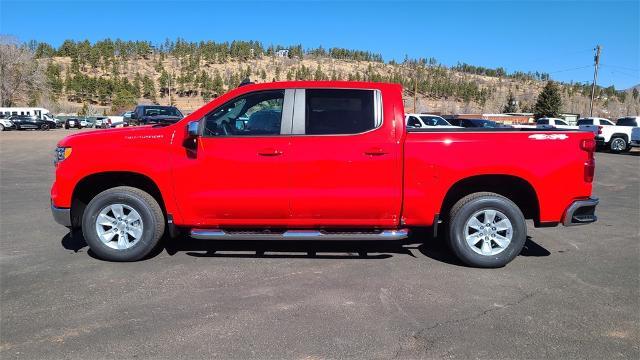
511 105
549 102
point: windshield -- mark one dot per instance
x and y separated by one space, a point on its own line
434 121
162 111
585 122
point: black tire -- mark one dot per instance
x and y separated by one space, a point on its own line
44 127
1 127
465 208
618 144
149 210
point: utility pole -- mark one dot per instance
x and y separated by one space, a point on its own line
596 60
170 78
415 94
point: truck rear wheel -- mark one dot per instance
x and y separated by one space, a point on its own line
486 230
618 144
122 224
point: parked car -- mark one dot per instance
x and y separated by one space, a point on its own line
344 168
635 137
126 116
6 124
72 123
614 137
119 124
426 120
476 123
102 122
594 121
24 122
153 114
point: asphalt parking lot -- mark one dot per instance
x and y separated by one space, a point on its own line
573 292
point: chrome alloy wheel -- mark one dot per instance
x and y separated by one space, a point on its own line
618 144
488 232
119 226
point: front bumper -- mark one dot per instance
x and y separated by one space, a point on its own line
61 215
581 212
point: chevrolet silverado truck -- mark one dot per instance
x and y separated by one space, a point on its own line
617 138
314 160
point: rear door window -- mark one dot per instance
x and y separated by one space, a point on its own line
339 111
627 121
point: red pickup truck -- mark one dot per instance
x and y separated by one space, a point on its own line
320 161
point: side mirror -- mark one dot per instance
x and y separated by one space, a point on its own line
134 115
193 128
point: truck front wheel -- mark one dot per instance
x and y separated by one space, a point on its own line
122 224
486 230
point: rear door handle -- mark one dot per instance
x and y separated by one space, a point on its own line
375 151
269 152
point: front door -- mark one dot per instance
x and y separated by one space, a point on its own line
239 173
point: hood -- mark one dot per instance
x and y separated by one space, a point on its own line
114 135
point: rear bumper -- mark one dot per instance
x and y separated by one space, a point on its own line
581 212
61 215
599 140
634 143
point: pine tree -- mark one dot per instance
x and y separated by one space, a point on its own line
549 102
512 105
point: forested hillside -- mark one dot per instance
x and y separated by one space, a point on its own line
110 76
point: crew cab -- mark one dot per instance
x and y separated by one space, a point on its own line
616 138
320 160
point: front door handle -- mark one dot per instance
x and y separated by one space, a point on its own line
269 152
375 151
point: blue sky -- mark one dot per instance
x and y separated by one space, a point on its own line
549 36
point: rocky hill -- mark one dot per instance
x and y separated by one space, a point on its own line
109 76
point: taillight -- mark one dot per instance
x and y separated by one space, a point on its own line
589 145
599 130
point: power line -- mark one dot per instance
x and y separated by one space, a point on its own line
620 67
570 69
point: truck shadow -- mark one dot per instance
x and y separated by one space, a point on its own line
419 244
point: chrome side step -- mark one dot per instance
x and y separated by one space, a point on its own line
218 234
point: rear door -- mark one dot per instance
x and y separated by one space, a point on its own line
345 161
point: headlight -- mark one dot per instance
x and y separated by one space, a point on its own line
61 153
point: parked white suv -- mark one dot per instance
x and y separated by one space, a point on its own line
426 121
615 137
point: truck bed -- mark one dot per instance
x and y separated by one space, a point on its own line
550 160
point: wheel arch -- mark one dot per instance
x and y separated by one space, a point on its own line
91 185
515 188
620 135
